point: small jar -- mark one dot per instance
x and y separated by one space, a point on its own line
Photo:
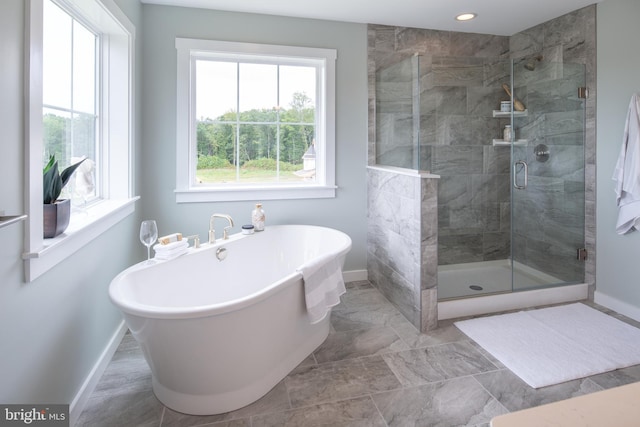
247 229
507 134
505 106
257 218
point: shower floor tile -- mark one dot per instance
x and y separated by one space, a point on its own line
375 369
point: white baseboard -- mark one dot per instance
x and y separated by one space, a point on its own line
355 275
616 305
82 397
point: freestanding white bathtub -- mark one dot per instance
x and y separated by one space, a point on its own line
218 335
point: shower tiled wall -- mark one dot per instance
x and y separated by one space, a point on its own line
402 230
461 76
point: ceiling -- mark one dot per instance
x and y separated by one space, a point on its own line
500 17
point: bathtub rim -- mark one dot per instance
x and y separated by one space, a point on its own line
155 312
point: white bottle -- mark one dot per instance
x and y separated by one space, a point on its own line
507 133
257 217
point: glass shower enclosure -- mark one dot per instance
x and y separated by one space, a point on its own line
510 210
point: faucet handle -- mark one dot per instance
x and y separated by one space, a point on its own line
196 240
225 235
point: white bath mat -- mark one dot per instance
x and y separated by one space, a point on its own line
557 344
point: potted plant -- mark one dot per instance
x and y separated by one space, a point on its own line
56 212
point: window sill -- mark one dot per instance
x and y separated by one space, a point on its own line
196 195
97 220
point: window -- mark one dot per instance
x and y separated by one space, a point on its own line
70 99
80 105
254 121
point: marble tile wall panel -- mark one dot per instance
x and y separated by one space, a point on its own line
482 100
496 72
478 45
412 40
453 248
429 240
458 159
457 71
402 241
566 127
398 72
528 42
447 99
429 309
395 288
393 242
552 96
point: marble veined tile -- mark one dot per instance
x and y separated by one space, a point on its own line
345 379
359 412
127 373
134 409
617 378
459 402
515 394
437 363
364 308
276 400
358 343
445 333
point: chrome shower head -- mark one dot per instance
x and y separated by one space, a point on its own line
531 63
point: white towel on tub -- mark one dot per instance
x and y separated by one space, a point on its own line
323 285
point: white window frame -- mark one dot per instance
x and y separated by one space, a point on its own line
116 134
186 134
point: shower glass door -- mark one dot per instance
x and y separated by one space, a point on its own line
547 174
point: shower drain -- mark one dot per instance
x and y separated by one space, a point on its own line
476 287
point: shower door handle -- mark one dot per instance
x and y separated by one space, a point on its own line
525 168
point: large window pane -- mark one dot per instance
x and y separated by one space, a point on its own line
216 153
84 136
84 69
258 90
258 152
298 94
297 148
56 132
56 61
216 90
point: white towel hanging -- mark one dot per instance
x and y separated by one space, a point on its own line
627 172
323 285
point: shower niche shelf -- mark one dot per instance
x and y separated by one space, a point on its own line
501 142
507 114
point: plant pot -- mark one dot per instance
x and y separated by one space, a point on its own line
56 217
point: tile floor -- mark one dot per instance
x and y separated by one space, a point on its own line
374 369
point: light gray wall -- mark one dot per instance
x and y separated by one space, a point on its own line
617 274
161 25
54 329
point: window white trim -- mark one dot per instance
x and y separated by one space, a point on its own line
117 134
100 219
185 139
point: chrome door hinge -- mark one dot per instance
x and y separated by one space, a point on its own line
582 254
583 92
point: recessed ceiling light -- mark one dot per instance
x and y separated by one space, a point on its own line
466 16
